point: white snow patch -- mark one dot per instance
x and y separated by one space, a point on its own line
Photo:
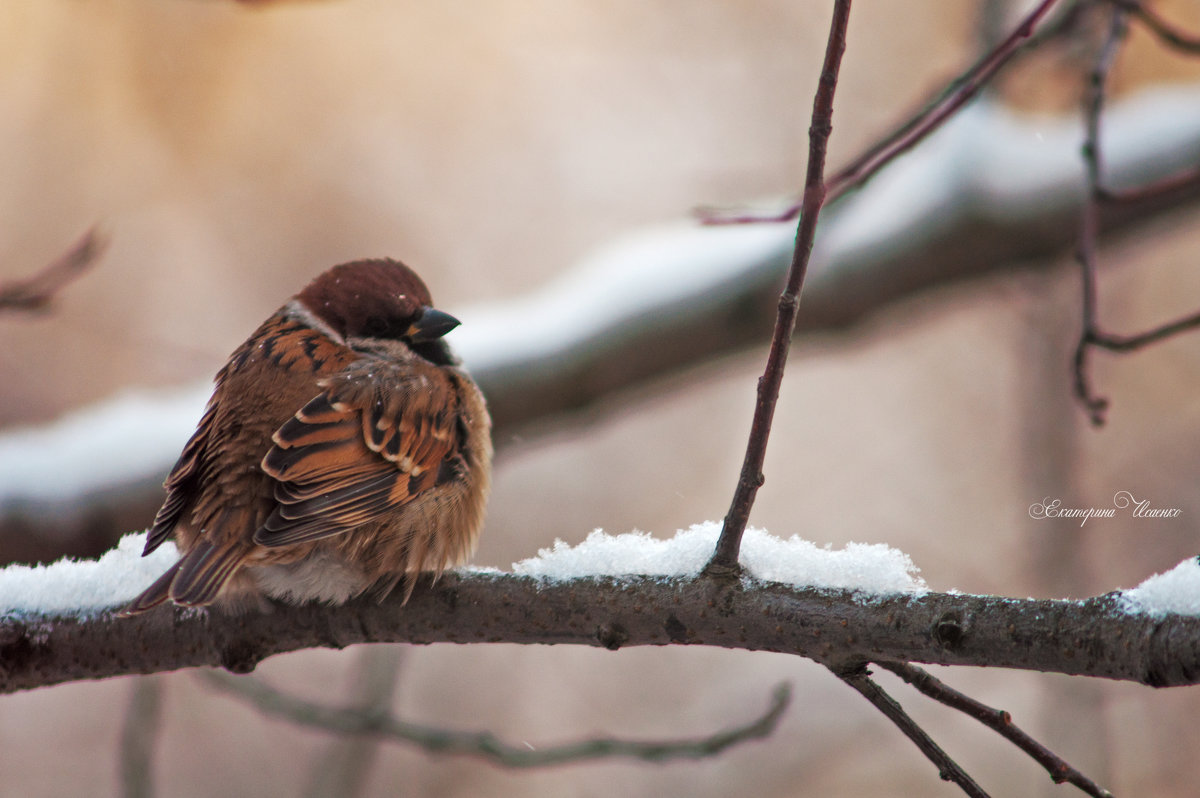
866 567
641 272
85 586
1176 591
481 570
112 443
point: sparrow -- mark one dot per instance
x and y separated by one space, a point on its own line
343 450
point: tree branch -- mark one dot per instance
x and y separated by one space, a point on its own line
1086 638
138 738
948 769
38 291
1089 219
999 721
380 723
955 96
1001 217
725 558
1165 31
914 129
1182 182
1091 335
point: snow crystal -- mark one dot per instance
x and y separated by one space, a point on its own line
1176 591
872 568
84 586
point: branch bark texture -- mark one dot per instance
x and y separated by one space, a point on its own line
835 627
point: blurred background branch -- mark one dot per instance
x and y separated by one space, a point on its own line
378 723
909 233
35 293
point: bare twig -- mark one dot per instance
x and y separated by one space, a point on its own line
1177 184
1091 335
1131 343
484 744
860 679
956 96
138 737
1089 222
1165 31
36 292
999 721
726 556
918 126
1188 43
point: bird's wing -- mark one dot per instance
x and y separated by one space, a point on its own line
181 482
373 440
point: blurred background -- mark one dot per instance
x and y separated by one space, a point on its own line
233 151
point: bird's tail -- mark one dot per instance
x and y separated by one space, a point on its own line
194 581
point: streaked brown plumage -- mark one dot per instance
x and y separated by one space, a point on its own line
342 450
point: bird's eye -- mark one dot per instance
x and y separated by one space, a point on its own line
376 327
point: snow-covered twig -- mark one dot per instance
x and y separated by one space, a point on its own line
1117 636
841 608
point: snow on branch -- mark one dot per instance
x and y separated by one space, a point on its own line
875 611
1174 592
90 587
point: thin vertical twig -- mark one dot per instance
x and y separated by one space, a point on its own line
138 736
725 558
1089 222
1092 336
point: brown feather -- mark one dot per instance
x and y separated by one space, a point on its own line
203 571
337 474
332 456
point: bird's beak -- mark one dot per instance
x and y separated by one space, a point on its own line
431 325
